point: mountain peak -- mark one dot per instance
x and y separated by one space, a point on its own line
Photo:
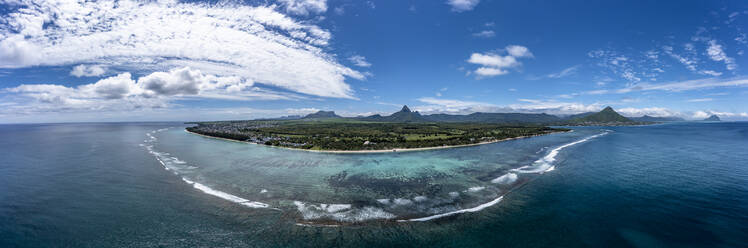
606 116
405 109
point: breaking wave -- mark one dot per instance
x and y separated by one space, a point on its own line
545 164
467 210
507 178
177 166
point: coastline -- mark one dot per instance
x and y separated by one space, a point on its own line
382 151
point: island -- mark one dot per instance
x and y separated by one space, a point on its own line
713 118
404 130
353 135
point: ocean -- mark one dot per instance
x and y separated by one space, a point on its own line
155 185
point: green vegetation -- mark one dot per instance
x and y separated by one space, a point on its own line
350 134
325 130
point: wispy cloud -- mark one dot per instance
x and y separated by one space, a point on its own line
618 64
716 53
485 34
565 72
687 85
359 61
700 100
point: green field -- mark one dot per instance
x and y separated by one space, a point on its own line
348 135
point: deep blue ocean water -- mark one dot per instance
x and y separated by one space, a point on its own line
154 185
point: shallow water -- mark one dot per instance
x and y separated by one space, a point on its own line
152 184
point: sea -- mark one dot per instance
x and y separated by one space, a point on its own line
679 184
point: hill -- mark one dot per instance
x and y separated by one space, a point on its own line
647 118
404 115
606 117
713 118
575 116
321 115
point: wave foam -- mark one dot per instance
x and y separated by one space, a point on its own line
475 189
341 212
467 210
544 164
507 178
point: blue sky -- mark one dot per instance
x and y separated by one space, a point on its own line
63 61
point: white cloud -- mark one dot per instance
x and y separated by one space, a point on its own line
489 71
462 5
716 53
485 34
359 60
492 64
122 92
179 82
703 114
256 43
652 111
14 49
519 51
88 70
693 115
116 87
153 114
304 7
700 100
493 60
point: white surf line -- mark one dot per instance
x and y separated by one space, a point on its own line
467 210
205 189
226 196
544 164
547 159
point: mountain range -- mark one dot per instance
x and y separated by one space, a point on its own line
607 116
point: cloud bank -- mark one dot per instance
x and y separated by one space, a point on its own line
256 43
